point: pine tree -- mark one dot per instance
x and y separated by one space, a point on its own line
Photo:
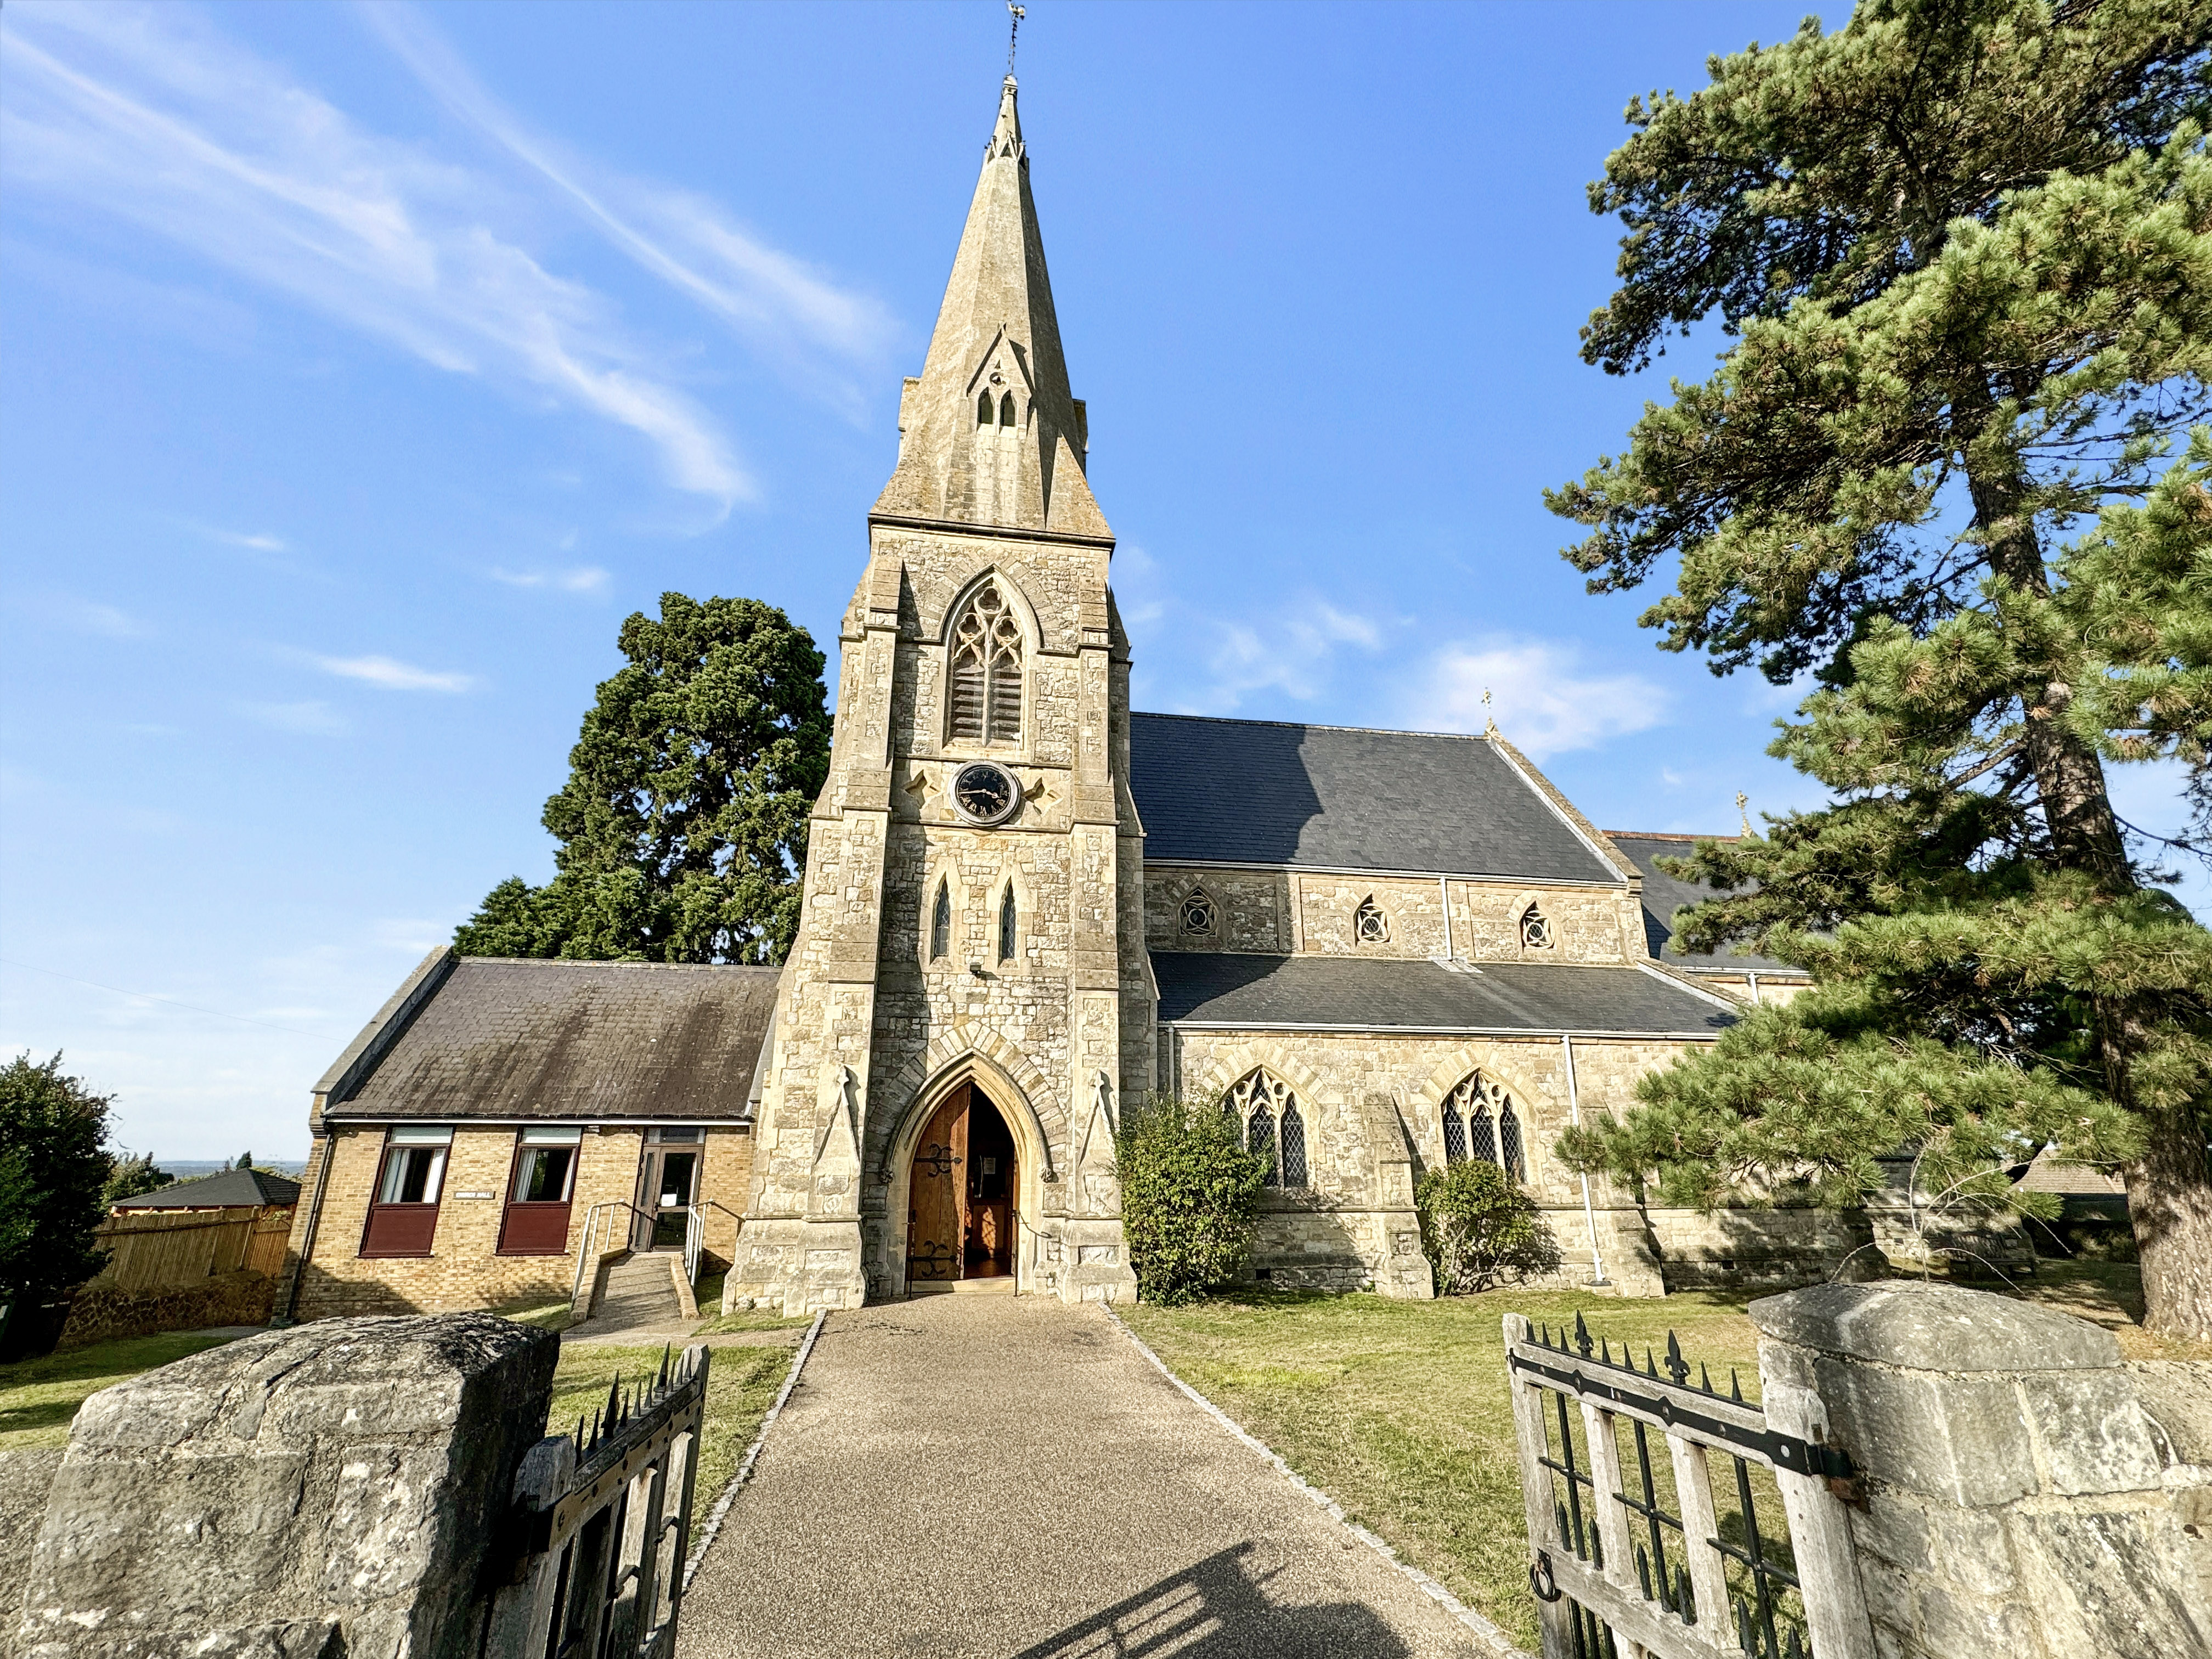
1962 251
683 825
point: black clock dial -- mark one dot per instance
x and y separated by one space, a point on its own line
985 792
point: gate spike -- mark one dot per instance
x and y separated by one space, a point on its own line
1582 1336
1677 1367
1685 1607
579 1434
1605 1352
1705 1377
1796 1649
1735 1389
665 1348
1650 1366
614 1400
1644 1572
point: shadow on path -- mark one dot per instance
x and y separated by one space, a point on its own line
1215 1609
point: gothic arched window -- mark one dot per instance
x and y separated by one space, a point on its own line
1455 1134
1370 926
1197 916
940 922
987 671
1294 1145
1259 1103
1480 1121
1006 915
1535 930
1006 410
983 409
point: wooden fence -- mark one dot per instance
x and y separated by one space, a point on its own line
169 1249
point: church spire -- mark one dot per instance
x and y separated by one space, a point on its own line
990 433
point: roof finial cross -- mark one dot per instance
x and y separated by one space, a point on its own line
1489 723
1014 15
1742 801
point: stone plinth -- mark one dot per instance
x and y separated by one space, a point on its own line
333 1488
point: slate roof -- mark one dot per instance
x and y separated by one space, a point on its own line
503 1039
1332 797
231 1189
1663 895
1342 992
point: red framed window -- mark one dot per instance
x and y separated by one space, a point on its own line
539 1192
402 1212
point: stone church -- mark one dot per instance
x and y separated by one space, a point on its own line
1026 908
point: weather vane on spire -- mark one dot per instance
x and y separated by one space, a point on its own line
1014 15
1743 801
1489 723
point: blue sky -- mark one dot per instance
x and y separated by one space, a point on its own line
368 364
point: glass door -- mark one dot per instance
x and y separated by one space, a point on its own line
668 1188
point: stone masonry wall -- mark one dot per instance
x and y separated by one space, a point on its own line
2026 1495
1286 912
332 1489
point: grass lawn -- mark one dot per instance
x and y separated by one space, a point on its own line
1399 1410
741 1385
38 1398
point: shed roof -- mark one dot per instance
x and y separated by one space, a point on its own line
1663 895
227 1189
1347 798
1342 992
505 1039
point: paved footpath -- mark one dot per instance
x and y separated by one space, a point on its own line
979 1475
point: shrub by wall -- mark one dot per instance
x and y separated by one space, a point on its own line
1480 1229
1190 1195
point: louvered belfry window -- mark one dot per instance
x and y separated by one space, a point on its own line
987 671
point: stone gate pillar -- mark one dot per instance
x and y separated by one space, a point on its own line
334 1488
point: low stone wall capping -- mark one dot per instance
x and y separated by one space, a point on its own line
2027 1494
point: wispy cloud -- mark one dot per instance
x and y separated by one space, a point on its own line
411 933
259 543
310 719
149 113
1292 652
390 674
89 617
1544 699
781 307
586 579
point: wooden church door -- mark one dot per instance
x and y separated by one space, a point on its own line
936 1213
960 1211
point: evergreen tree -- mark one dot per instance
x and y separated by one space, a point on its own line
1963 249
54 1163
683 825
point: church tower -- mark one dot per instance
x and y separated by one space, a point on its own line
969 1003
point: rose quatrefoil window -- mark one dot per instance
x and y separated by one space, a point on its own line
1198 916
987 671
1370 926
1535 930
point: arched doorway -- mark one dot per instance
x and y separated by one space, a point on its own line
962 1191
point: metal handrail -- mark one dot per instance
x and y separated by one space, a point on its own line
695 1235
584 1245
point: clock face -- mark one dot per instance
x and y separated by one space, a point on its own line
986 794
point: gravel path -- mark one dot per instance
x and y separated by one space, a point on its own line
986 1476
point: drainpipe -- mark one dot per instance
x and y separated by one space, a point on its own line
283 1316
1443 891
1754 978
1575 1115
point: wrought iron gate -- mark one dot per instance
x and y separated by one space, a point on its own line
603 1523
1636 1550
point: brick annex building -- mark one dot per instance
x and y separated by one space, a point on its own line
1026 907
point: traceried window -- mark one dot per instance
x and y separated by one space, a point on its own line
1370 926
987 671
1273 1127
1198 916
1007 918
1480 1121
940 922
1535 930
